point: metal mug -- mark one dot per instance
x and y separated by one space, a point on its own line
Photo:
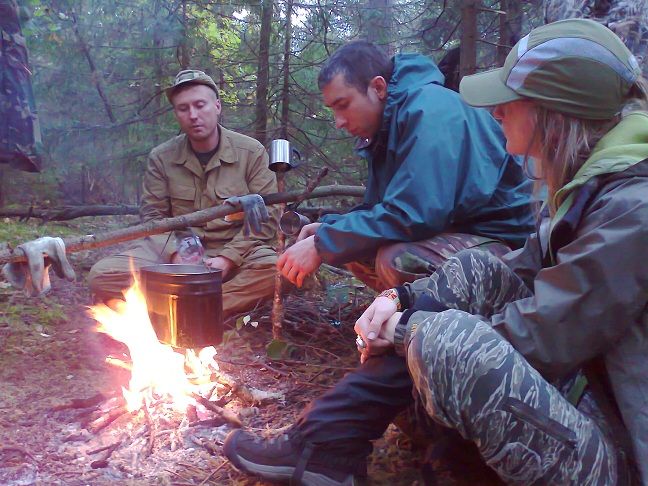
281 156
292 222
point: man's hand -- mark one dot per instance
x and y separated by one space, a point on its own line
308 230
300 260
220 263
372 327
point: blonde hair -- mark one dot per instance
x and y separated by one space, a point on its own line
567 141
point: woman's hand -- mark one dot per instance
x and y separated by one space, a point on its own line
370 326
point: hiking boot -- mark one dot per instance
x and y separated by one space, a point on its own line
277 459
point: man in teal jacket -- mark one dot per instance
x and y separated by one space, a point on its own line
440 179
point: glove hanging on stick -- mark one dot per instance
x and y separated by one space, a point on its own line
254 210
33 276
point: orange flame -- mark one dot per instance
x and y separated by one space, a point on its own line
157 368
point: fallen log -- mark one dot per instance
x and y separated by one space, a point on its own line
89 242
66 213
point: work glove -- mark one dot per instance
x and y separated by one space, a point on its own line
254 211
32 277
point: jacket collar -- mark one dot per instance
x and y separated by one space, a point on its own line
224 154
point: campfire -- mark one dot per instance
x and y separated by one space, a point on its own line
157 370
173 405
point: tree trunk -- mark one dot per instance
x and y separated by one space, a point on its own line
468 56
96 76
263 73
285 92
378 24
510 28
3 197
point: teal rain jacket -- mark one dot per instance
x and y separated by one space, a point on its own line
436 165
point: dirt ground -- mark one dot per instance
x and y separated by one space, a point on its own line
52 355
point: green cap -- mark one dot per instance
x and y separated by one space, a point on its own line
576 66
192 76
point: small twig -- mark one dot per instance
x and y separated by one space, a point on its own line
101 449
24 452
212 473
119 363
310 187
187 481
213 422
105 420
151 430
103 462
227 415
80 403
208 445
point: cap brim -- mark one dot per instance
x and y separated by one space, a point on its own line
486 89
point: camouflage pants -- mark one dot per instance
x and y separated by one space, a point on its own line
398 263
469 378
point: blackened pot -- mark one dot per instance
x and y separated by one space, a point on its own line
185 304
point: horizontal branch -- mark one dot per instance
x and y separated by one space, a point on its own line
66 213
89 242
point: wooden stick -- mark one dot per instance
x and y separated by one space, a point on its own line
92 401
103 462
277 300
151 429
89 242
227 415
106 419
212 473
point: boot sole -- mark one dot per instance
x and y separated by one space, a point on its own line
280 473
284 473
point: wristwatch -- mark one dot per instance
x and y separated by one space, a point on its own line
393 295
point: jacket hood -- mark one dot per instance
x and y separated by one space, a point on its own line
411 71
622 147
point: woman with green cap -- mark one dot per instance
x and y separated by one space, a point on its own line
540 358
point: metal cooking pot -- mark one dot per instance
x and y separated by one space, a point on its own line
185 304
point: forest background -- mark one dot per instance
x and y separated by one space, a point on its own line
99 68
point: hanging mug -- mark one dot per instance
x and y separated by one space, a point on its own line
281 156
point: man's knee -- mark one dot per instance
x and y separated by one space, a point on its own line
394 268
107 278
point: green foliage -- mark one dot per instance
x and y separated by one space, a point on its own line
277 349
99 69
42 315
14 232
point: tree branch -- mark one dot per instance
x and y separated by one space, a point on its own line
89 242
